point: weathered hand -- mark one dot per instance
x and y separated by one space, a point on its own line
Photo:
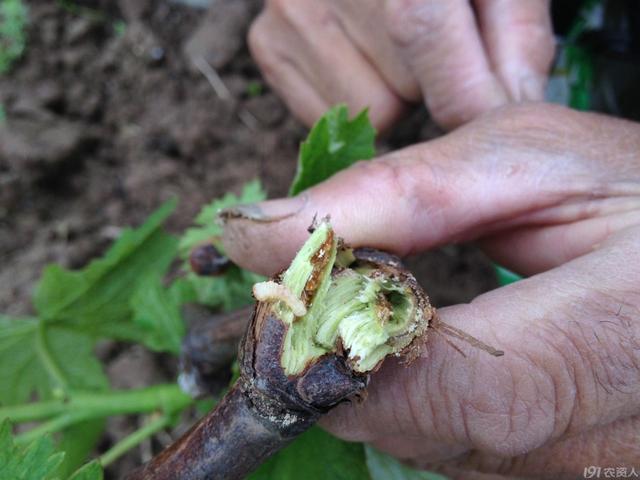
462 58
549 192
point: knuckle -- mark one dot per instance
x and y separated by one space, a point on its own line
510 409
388 172
398 182
418 182
502 407
409 20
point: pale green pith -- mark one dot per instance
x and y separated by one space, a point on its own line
358 309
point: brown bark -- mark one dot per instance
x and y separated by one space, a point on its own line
266 408
263 412
208 350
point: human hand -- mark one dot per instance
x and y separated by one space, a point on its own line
548 192
462 58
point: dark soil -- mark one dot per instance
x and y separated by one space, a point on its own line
107 116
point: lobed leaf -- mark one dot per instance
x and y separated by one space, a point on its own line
90 471
36 461
228 292
40 358
384 467
96 298
77 442
333 144
316 455
207 227
157 313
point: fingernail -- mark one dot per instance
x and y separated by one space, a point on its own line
264 212
532 88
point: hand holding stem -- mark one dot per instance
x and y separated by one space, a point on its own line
547 192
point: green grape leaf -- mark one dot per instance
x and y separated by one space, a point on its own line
41 358
385 467
13 36
90 471
77 442
208 229
157 312
36 461
228 292
333 144
96 298
316 455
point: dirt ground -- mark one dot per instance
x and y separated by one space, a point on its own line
107 116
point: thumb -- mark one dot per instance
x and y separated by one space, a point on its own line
571 363
492 174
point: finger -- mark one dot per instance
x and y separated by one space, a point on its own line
324 55
281 73
527 251
518 36
441 44
492 176
338 69
614 445
571 338
359 20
